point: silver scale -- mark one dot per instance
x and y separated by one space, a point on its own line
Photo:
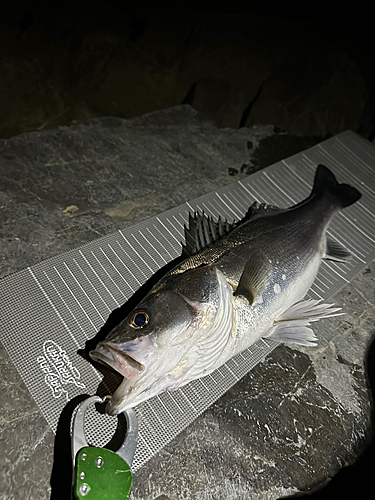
54 307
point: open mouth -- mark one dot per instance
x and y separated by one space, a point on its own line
110 355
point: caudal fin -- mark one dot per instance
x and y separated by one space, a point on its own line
325 181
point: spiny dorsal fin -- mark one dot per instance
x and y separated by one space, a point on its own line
203 231
254 278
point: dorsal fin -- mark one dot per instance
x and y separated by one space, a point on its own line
203 231
259 209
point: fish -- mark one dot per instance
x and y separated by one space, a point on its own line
238 282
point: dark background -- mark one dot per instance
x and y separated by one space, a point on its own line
307 68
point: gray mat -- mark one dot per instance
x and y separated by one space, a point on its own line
52 308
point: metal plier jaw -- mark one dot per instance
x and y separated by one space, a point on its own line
100 473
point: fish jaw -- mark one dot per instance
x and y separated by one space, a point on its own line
164 370
127 359
132 392
123 393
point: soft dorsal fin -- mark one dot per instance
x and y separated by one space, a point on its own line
259 209
202 230
254 278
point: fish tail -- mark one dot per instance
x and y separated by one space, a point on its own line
325 181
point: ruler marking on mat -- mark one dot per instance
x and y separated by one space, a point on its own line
53 306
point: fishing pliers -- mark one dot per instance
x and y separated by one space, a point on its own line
100 473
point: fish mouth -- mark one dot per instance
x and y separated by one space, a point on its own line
115 404
109 354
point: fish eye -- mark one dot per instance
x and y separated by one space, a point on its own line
139 319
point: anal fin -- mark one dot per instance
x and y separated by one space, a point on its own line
335 251
293 325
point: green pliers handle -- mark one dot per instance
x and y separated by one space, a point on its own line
99 473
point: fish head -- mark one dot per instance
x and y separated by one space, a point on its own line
153 348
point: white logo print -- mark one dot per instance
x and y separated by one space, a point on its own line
58 369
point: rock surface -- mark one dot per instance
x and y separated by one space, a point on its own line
58 64
321 96
289 425
63 188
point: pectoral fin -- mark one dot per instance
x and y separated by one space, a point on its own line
335 251
293 325
254 278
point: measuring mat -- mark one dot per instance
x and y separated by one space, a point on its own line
51 309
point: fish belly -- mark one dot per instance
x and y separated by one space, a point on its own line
285 288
